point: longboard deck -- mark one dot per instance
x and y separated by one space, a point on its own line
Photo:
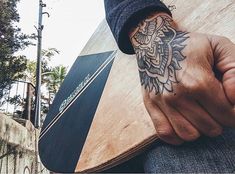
98 119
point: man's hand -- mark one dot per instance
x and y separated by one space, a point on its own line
181 92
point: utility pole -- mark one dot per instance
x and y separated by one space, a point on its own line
37 116
39 62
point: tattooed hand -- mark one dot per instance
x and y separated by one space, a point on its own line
180 90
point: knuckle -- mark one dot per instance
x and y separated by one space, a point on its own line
197 86
152 97
216 39
148 101
224 39
169 98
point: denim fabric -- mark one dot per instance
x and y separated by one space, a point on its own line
206 155
122 15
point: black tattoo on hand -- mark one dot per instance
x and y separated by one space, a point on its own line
158 47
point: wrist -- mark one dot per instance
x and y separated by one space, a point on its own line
153 17
158 43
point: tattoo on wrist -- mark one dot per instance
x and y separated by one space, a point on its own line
158 47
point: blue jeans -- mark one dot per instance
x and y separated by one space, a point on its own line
206 155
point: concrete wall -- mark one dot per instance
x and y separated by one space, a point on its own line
18 147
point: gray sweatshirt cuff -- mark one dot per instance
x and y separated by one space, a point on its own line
126 15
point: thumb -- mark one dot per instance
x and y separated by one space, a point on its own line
224 58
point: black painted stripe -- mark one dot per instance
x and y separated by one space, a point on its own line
60 114
61 147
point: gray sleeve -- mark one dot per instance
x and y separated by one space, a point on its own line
122 15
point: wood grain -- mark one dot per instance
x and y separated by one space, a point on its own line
121 126
121 120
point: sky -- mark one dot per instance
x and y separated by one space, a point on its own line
69 27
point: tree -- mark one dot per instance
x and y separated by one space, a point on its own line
52 77
11 40
30 72
55 77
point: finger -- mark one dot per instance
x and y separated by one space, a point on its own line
215 102
229 85
224 54
200 118
163 127
183 128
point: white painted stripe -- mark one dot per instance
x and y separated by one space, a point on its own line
93 77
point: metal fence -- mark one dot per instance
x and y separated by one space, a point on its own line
19 101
